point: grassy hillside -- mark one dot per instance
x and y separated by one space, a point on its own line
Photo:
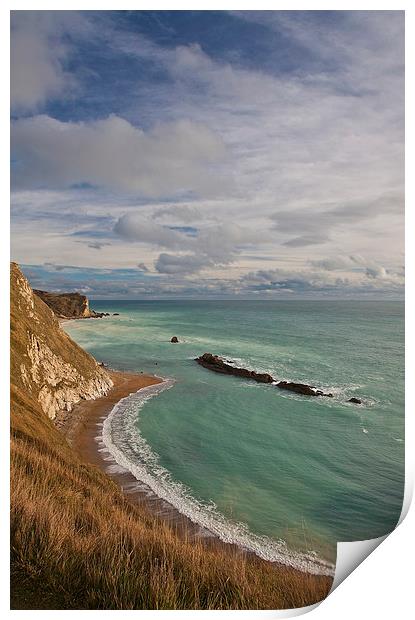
77 543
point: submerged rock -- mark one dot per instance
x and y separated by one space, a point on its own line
174 339
357 401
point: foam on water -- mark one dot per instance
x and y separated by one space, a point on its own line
289 467
341 393
129 449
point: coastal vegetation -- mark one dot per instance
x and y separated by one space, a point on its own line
76 541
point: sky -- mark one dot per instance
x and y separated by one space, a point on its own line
209 154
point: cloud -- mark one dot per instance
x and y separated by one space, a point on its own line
359 267
282 147
336 263
178 212
134 227
209 246
316 224
303 281
181 264
333 43
38 57
376 272
96 245
305 240
177 280
172 158
54 267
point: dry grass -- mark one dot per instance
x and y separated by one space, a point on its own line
77 541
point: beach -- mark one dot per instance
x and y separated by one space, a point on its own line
229 453
238 444
80 425
84 540
82 428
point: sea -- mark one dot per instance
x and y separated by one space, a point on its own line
284 475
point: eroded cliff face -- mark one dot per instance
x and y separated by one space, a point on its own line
67 305
45 362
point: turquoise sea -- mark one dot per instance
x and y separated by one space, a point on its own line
285 475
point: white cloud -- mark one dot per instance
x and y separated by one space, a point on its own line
38 57
314 225
182 213
212 245
181 264
134 227
376 272
305 281
112 153
302 169
336 263
142 267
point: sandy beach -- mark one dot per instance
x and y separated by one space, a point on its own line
82 428
83 425
80 425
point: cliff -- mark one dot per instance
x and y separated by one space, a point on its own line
45 362
68 305
76 540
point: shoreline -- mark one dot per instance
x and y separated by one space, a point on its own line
82 428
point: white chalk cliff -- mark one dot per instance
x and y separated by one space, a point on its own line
46 362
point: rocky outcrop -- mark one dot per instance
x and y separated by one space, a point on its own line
301 388
69 305
354 400
45 362
217 364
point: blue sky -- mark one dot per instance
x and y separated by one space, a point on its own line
209 153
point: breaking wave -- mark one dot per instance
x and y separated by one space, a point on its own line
125 444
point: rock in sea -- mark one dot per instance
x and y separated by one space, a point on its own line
302 388
215 363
